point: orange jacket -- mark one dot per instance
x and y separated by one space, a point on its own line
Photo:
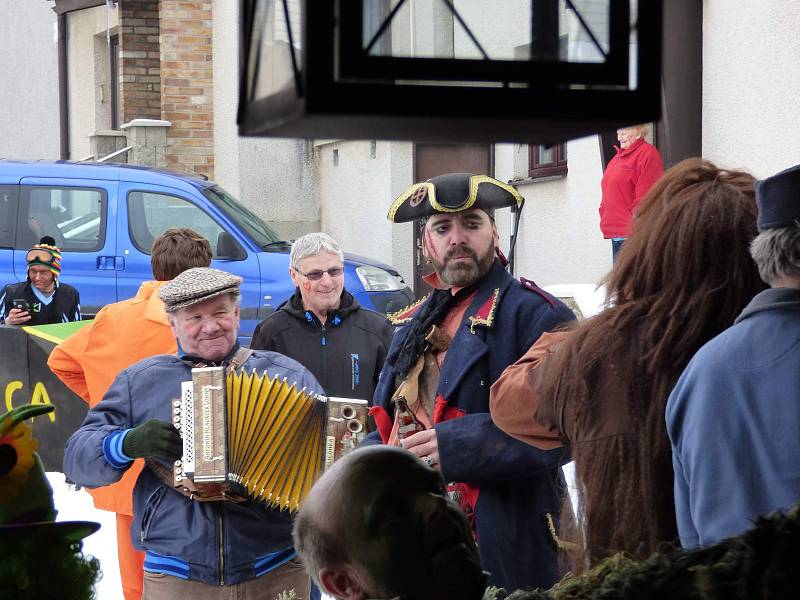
89 360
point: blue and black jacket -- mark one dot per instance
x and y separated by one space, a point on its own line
217 543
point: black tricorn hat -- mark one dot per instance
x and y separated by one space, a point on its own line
778 199
452 193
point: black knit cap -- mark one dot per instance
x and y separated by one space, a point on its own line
778 199
452 193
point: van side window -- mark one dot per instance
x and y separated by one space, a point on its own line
74 217
150 214
8 212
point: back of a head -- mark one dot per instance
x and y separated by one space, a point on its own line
176 250
383 513
690 236
312 244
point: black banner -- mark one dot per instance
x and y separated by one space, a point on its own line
26 379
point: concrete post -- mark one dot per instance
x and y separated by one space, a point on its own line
148 141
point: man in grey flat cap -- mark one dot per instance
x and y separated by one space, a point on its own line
734 415
196 547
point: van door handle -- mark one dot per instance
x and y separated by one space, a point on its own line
106 263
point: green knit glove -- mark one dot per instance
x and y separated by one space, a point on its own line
153 438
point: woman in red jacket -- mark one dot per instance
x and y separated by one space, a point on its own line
627 178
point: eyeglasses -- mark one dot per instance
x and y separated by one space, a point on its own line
317 275
42 256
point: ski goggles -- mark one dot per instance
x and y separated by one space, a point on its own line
45 257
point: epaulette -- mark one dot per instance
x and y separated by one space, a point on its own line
485 314
404 315
530 285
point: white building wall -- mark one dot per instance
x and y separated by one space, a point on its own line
29 126
86 92
276 178
751 84
559 235
358 181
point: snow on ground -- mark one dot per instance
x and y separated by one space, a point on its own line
77 505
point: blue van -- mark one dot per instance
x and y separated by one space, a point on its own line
104 217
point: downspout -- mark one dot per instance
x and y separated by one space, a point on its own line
63 87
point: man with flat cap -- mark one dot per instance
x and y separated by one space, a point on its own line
432 397
734 415
195 547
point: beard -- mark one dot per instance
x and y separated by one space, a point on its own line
461 273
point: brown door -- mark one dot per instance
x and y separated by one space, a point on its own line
437 159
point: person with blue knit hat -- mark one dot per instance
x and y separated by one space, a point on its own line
734 416
40 299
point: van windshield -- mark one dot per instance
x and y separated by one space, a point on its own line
260 232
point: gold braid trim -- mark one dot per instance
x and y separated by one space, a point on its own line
396 318
562 544
407 194
489 318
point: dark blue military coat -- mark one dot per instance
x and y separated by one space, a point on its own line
514 485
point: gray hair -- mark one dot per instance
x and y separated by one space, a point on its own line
776 253
317 547
312 244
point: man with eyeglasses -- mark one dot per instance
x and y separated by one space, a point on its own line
323 327
40 299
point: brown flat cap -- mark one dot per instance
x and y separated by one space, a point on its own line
198 285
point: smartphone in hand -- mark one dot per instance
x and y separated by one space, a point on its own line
21 304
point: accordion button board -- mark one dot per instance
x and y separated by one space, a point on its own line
259 437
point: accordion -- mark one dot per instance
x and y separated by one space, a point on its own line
249 436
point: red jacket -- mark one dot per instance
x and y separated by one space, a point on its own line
628 177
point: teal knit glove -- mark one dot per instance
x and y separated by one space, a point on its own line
153 438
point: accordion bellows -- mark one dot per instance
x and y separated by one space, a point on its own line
262 438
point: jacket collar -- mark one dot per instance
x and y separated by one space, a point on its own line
154 310
481 311
196 360
773 298
294 307
629 149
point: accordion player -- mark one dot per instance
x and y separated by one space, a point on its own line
249 436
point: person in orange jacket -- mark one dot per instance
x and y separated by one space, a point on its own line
120 335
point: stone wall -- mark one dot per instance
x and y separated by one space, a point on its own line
187 84
140 72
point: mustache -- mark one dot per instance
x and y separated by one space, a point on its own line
462 252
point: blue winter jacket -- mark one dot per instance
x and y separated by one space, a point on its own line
520 488
734 423
213 542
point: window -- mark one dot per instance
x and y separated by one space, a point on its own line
74 217
150 214
8 211
547 161
114 84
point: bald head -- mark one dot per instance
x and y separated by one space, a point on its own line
375 516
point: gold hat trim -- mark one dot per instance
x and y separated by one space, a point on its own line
474 182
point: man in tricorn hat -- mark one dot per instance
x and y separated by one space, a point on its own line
433 394
734 415
195 546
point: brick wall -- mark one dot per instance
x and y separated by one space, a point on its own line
140 73
187 84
